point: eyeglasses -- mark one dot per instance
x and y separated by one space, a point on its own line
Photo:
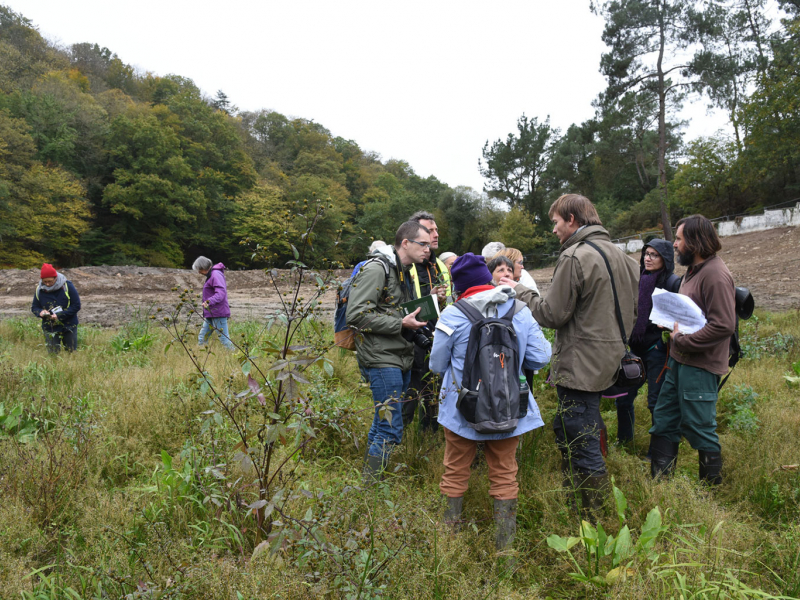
423 244
652 255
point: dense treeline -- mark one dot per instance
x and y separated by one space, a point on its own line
102 164
630 159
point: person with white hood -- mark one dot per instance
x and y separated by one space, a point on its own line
472 281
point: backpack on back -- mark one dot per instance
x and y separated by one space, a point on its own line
744 310
490 398
344 336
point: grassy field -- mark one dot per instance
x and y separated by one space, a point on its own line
120 476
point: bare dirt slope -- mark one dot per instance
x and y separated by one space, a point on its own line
768 262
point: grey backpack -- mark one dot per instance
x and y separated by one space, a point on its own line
491 395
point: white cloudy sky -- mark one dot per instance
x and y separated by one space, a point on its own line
427 82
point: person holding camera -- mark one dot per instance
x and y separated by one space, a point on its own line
473 281
56 303
580 305
383 341
430 277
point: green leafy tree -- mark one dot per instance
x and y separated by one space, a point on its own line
514 168
652 46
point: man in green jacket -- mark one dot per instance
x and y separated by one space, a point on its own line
588 345
687 403
384 353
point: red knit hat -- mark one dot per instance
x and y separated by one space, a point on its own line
48 271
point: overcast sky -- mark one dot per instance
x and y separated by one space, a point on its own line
427 82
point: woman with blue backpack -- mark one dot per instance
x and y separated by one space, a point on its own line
481 344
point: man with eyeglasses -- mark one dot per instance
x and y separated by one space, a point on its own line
430 277
386 356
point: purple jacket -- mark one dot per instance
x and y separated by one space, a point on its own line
215 292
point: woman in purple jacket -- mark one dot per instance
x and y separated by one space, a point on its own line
215 302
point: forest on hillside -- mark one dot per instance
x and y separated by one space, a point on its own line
103 164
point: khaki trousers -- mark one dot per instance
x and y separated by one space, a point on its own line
501 459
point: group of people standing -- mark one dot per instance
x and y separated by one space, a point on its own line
593 281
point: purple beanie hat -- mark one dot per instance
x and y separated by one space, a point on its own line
468 271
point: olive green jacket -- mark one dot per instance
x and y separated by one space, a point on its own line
580 306
373 308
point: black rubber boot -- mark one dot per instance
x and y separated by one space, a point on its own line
594 491
711 467
663 456
373 469
452 514
505 520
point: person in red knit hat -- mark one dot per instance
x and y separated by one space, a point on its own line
56 303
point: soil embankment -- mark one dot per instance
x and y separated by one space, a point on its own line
768 262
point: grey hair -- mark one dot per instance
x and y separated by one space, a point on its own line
422 215
492 248
376 244
202 263
445 255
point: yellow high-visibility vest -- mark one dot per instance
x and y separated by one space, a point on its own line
445 276
66 291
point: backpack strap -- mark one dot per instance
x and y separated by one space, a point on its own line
472 313
614 289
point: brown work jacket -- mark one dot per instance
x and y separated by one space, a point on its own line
580 306
710 286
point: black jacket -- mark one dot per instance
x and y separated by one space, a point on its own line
666 280
70 305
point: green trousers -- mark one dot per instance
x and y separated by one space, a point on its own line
687 405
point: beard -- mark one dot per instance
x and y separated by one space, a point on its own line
685 260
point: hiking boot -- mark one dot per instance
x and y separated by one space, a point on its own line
663 457
452 514
594 491
505 520
711 467
373 469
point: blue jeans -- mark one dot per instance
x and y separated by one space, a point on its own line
219 324
654 361
386 383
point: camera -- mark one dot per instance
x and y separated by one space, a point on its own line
422 337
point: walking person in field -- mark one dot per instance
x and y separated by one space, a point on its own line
216 310
56 303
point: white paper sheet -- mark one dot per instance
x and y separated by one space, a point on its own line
669 307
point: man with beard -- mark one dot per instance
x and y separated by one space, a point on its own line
431 277
687 404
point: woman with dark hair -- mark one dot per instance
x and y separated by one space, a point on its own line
500 266
657 264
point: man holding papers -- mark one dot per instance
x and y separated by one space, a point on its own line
374 310
687 404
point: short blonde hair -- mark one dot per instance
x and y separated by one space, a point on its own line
511 253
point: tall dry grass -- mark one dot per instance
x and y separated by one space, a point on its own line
118 524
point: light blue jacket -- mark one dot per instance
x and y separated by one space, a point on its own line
450 347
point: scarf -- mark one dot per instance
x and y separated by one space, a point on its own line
60 281
647 284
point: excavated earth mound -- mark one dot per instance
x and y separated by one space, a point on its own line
768 262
